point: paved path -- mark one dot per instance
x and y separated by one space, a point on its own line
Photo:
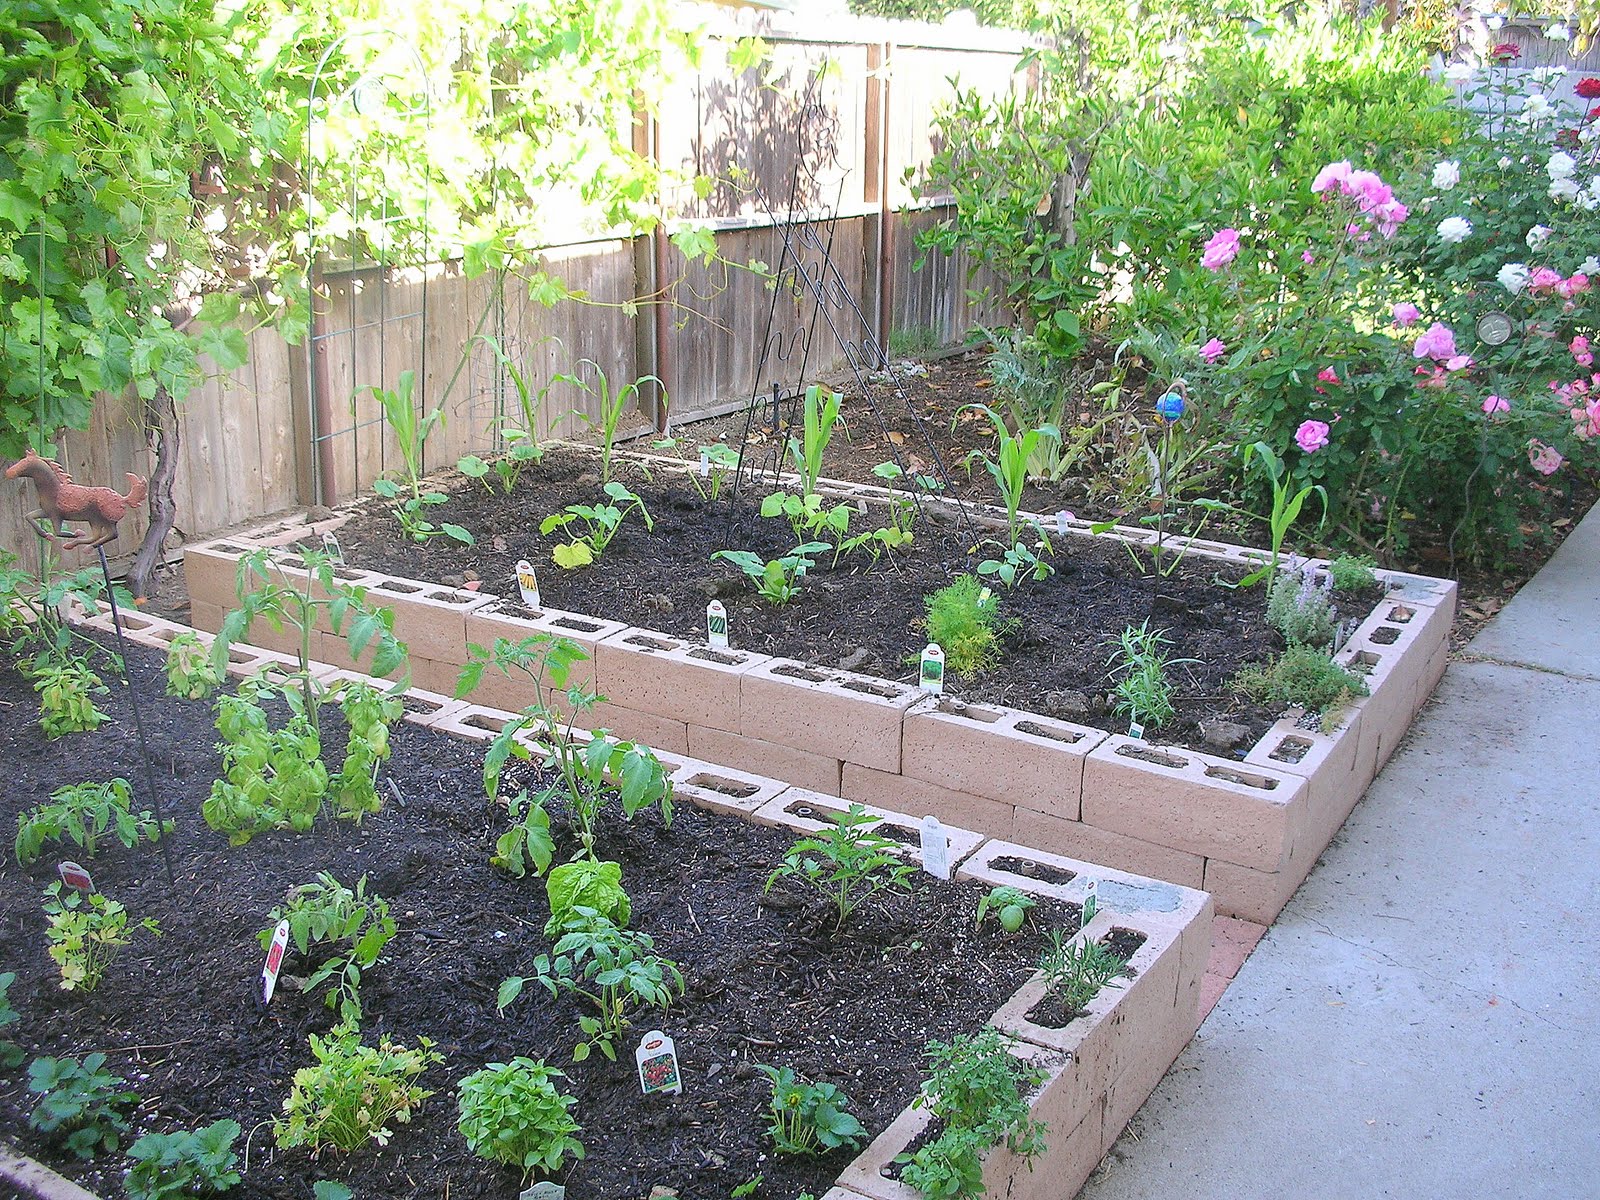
1424 1018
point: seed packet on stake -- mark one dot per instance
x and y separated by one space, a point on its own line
931 679
935 848
1136 730
544 1190
717 625
274 963
1091 902
334 550
76 877
528 584
657 1058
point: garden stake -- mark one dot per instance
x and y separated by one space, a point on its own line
138 724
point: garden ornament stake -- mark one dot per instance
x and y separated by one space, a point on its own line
61 500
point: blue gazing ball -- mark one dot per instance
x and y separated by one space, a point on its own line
1170 407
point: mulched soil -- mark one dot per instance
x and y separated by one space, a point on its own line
859 616
935 394
179 1018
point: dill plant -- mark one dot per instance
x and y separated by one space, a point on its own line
964 619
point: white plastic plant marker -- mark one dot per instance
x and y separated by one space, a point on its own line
1091 902
274 963
1061 522
528 584
76 877
705 462
931 678
1136 730
935 848
657 1058
545 1190
334 550
717 625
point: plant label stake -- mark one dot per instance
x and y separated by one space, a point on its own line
1091 903
1061 522
334 550
76 877
717 624
1136 730
528 584
935 848
705 463
274 964
931 679
657 1058
544 1190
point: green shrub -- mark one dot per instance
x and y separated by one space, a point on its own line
80 1103
82 814
171 1165
1352 572
1303 677
963 618
1301 608
512 1113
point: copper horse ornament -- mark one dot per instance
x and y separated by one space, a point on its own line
61 500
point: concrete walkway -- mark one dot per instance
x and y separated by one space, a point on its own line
1424 1018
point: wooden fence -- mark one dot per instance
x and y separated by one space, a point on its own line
838 140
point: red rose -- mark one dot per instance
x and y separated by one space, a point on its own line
1567 139
1588 87
1505 52
1595 111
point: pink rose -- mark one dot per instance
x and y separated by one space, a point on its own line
1543 279
1213 350
1221 250
1328 375
1496 404
1438 343
1331 176
1459 362
1405 314
1307 257
1542 458
1313 436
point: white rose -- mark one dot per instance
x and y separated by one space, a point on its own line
1587 134
1538 236
1589 266
1457 73
1561 165
1513 277
1558 33
1588 201
1446 174
1534 109
1496 22
1454 229
1564 189
1504 163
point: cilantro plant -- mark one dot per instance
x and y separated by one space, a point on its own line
846 863
513 1113
81 1103
809 1118
200 1162
85 934
616 970
352 1092
354 925
599 526
82 814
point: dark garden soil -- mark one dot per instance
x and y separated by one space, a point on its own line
860 616
177 1016
938 388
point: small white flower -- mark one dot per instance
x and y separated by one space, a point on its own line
1457 72
1538 236
1549 74
1589 266
1588 201
1496 22
1561 165
1504 163
1446 174
1513 277
1558 33
1454 229
1535 109
1564 189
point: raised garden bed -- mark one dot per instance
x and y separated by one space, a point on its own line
757 969
1245 828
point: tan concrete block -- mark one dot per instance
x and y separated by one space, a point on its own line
1092 844
807 812
210 572
1059 877
1192 802
430 619
833 714
661 734
769 758
723 789
433 676
657 673
1000 753
1257 896
508 619
1419 589
1328 764
917 798
207 617
1232 941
